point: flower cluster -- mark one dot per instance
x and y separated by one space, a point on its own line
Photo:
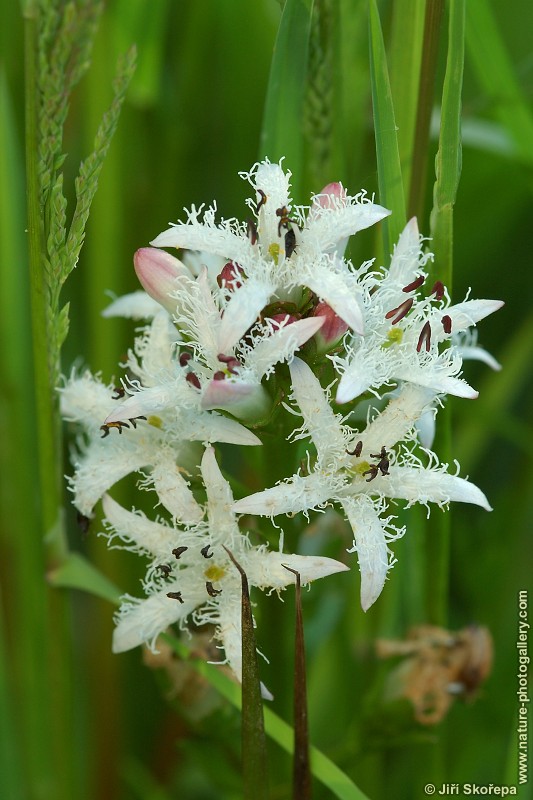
255 321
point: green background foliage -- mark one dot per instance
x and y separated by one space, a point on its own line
217 86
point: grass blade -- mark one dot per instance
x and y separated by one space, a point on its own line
391 193
323 769
281 131
496 76
405 61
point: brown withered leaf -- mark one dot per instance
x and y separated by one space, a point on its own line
438 666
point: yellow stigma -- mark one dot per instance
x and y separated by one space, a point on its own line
274 251
358 469
214 573
394 336
157 422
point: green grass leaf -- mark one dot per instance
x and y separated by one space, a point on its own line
323 769
405 60
391 193
494 70
78 573
449 157
281 132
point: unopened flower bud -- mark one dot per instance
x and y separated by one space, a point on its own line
230 276
282 320
333 328
157 271
330 195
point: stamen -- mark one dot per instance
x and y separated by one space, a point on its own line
175 596
373 472
211 591
383 463
447 323
165 569
184 359
416 284
262 200
283 214
425 338
119 393
178 551
290 243
205 551
358 449
193 380
133 421
438 290
230 361
251 231
106 427
396 314
219 376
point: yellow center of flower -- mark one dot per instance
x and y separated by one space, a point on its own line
274 251
358 469
394 336
214 573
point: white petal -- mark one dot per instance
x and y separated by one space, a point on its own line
435 379
282 344
338 292
479 354
266 569
297 494
419 485
219 496
370 543
148 536
103 465
463 315
404 262
358 377
324 231
173 491
323 425
425 427
397 419
242 311
151 400
142 621
86 400
137 305
209 426
218 241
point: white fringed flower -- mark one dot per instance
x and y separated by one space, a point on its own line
403 331
191 576
361 470
283 249
155 433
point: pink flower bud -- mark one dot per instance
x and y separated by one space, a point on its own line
329 195
282 320
230 276
333 328
157 271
